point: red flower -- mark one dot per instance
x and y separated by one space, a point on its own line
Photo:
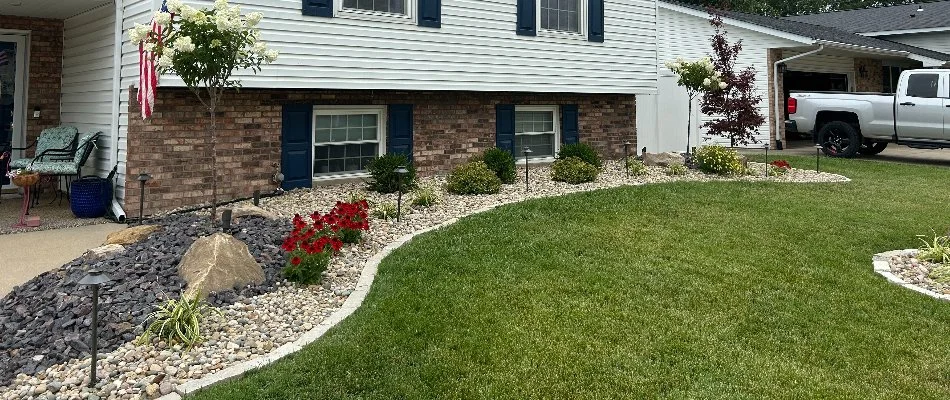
336 244
295 261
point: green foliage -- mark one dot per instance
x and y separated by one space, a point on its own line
718 160
177 321
573 170
501 162
582 151
355 196
473 178
384 178
676 170
425 196
386 210
937 250
776 171
309 268
636 167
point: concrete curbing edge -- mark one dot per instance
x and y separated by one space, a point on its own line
883 268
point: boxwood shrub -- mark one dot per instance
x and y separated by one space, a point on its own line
473 177
384 178
573 170
501 162
582 151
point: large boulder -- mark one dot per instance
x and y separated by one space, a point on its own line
239 212
663 159
131 235
218 263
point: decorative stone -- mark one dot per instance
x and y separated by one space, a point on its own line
240 211
218 263
662 159
131 235
103 251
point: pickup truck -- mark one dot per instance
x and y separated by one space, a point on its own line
845 124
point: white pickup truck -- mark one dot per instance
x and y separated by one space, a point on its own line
918 115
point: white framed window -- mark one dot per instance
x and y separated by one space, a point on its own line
562 17
346 138
538 128
378 10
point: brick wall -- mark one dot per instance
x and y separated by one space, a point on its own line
773 56
871 79
46 70
449 128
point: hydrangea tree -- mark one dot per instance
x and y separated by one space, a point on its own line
204 47
696 77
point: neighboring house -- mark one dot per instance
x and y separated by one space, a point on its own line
439 80
811 57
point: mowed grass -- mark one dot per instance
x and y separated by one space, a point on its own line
687 290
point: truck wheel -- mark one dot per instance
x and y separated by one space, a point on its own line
870 148
839 139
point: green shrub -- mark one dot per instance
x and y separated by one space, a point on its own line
473 178
499 161
676 170
573 170
384 178
177 321
636 167
718 160
425 196
387 210
582 151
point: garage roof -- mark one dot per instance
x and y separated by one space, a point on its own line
895 19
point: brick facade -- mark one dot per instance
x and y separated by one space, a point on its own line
46 70
448 128
869 75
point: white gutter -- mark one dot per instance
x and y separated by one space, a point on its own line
116 101
778 111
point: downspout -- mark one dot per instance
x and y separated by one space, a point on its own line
116 208
779 112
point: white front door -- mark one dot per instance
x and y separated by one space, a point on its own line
12 100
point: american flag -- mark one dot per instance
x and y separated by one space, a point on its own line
148 75
4 57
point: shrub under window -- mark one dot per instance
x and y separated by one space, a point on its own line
501 162
384 177
473 178
573 170
582 151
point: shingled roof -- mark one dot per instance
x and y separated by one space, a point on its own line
821 33
883 19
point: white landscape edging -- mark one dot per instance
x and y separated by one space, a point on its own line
354 301
883 268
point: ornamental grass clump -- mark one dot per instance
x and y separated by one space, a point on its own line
425 196
718 160
582 151
499 161
473 177
676 170
936 250
178 321
383 176
310 246
386 210
636 167
573 170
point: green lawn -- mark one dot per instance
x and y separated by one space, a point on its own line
687 290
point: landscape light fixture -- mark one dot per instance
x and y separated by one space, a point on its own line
401 171
920 8
143 178
226 220
257 197
818 148
766 147
526 152
626 158
94 278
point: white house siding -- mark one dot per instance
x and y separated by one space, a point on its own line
133 12
936 41
88 49
687 36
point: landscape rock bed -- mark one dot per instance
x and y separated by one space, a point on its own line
257 320
905 265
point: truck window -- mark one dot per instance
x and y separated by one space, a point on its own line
923 85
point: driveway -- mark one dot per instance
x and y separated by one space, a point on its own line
893 153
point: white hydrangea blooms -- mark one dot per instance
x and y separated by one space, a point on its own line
698 75
184 44
162 18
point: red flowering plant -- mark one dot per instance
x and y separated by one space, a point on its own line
778 168
781 164
311 245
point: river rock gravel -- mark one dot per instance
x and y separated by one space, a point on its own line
254 320
917 272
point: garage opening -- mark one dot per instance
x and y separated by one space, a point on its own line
812 82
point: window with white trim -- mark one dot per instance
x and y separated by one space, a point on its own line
346 139
561 15
537 128
381 6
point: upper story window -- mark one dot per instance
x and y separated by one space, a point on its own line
382 6
561 15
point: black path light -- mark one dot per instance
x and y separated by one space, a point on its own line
257 197
226 220
766 147
527 151
626 158
401 171
818 148
143 178
94 278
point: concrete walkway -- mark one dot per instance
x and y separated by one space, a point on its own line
26 255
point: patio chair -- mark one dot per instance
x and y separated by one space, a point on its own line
66 162
52 145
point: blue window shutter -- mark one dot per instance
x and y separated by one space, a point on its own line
527 18
505 127
569 134
399 137
318 8
296 139
430 13
595 21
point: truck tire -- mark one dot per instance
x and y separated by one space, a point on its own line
870 148
839 139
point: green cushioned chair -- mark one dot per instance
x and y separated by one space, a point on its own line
54 144
68 162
